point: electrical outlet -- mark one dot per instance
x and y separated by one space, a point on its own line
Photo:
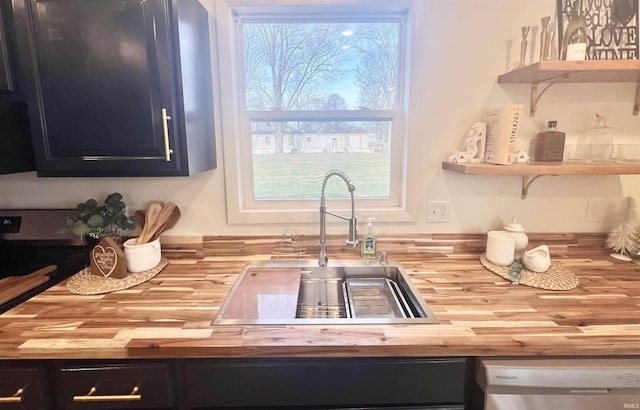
595 210
437 211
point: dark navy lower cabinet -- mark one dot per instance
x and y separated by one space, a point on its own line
434 383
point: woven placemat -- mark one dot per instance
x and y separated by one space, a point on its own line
557 277
84 283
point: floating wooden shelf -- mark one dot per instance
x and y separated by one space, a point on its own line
564 168
589 71
552 72
531 171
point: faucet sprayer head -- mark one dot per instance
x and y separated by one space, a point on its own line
342 175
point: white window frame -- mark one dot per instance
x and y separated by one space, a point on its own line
242 208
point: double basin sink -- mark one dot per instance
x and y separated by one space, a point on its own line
345 292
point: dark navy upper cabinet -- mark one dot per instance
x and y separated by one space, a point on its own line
7 82
117 87
15 139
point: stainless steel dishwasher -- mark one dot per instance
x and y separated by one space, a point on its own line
584 384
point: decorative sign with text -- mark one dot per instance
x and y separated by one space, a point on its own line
108 260
612 27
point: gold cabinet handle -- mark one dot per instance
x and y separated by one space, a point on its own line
133 396
165 131
16 398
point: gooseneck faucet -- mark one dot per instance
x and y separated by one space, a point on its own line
352 240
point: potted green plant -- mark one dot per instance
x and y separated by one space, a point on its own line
96 221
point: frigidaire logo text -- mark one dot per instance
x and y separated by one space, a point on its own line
631 406
509 378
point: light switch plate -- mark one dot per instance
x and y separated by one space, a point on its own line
595 210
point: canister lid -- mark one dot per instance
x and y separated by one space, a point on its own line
514 226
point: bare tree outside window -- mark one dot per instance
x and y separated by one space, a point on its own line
320 95
291 66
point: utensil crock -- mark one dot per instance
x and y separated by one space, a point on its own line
143 257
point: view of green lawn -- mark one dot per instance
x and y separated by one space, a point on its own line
301 175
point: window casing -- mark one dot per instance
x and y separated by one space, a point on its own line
246 204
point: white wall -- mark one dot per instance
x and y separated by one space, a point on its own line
459 48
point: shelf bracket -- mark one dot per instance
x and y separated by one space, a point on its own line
535 97
636 101
526 183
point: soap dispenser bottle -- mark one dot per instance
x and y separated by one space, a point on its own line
369 242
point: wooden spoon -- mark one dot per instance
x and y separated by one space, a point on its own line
150 219
142 216
160 221
171 222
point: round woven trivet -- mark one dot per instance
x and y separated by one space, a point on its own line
84 283
557 277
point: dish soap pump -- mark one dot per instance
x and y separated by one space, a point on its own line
369 241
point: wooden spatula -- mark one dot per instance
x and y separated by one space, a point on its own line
151 217
170 223
163 216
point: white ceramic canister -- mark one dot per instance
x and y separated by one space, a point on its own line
516 231
500 248
143 257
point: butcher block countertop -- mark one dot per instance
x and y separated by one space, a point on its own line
479 313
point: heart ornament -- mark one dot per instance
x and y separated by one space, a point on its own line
108 260
625 11
105 259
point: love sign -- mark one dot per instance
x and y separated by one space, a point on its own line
108 260
612 27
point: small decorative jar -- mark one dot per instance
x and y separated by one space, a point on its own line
516 231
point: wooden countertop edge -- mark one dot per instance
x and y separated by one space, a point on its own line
139 350
517 345
177 348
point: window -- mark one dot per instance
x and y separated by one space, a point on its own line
316 88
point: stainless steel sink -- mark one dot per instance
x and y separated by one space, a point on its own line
345 292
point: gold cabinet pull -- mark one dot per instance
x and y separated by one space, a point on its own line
16 398
133 396
165 131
